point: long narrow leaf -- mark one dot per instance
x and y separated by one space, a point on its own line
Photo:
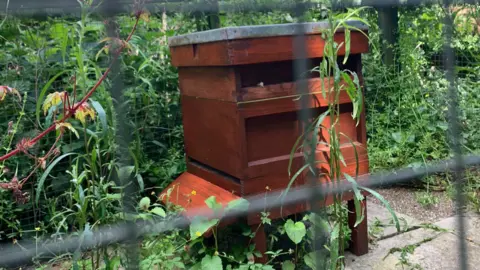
101 114
347 45
359 100
316 130
387 205
46 173
354 150
324 74
357 199
299 139
295 176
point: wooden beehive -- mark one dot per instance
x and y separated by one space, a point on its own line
240 109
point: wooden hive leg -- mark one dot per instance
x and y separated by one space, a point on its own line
260 240
359 237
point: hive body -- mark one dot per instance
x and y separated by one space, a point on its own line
240 109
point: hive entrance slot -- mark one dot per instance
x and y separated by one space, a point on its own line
283 71
213 170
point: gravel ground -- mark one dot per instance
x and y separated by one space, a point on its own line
403 200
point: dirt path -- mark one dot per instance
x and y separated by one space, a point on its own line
403 200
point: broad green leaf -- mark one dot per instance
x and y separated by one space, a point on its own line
238 205
288 265
53 99
200 225
213 204
159 211
83 111
46 173
295 230
212 263
144 203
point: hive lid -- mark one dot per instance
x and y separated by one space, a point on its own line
257 31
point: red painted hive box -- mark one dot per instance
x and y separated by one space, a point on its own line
240 109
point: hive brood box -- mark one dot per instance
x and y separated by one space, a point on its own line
240 107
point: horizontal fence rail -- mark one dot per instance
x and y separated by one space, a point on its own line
58 7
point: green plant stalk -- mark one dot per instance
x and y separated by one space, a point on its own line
15 129
80 58
335 158
334 109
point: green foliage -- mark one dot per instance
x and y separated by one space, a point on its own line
426 198
211 262
43 57
407 104
77 191
295 230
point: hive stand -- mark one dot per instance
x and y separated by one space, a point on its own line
240 115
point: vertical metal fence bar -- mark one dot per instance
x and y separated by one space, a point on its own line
300 69
123 137
213 16
455 133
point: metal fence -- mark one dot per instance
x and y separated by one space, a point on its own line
131 232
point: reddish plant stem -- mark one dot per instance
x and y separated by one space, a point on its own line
21 183
28 177
71 112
